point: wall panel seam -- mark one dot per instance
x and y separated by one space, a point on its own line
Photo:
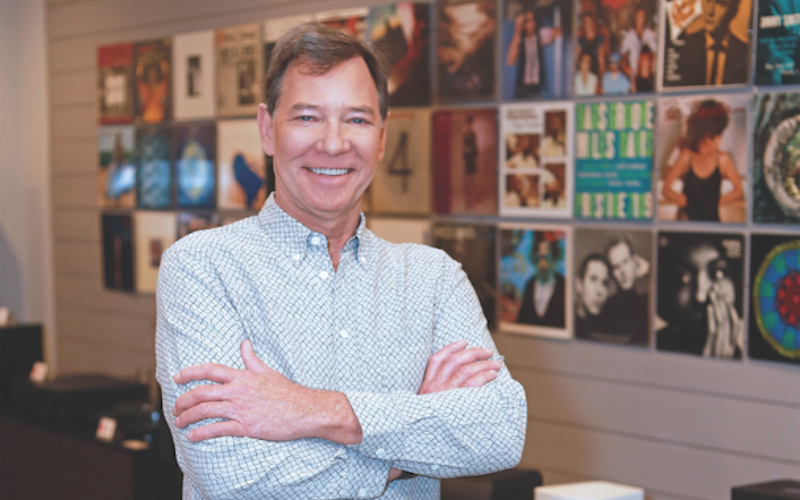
72 105
105 345
107 311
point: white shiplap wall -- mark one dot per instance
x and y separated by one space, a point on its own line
682 427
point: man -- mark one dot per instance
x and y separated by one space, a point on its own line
628 310
634 41
714 55
333 356
591 293
614 81
526 52
544 297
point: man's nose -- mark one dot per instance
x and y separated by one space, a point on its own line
703 287
333 142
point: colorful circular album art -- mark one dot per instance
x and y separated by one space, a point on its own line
776 299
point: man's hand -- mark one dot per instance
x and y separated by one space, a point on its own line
261 403
454 367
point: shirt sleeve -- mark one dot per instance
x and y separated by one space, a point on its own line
197 323
461 432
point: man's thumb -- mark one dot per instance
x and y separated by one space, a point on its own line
251 361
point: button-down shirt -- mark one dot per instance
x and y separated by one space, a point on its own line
367 329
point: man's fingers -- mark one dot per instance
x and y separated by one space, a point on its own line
217 429
207 371
251 361
466 372
435 363
459 359
203 411
481 379
198 395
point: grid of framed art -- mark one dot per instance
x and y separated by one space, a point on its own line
604 170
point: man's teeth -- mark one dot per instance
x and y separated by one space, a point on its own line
329 171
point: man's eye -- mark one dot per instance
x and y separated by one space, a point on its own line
306 118
359 121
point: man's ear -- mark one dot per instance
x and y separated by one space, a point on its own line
382 150
266 130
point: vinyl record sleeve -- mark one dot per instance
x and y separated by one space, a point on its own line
613 270
537 49
402 31
115 84
465 161
535 159
402 182
465 49
117 233
700 294
776 158
241 165
153 168
530 305
616 47
774 297
691 195
155 232
194 150
778 42
614 159
194 78
116 180
153 81
191 222
473 245
239 70
401 230
352 21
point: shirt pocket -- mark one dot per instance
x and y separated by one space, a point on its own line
404 358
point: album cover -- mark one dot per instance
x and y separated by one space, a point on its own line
701 156
272 29
194 81
778 42
401 230
117 175
612 285
152 62
705 48
465 49
700 294
352 21
536 46
191 222
615 47
153 168
465 161
473 245
239 70
776 158
775 298
535 157
117 252
614 160
195 158
115 84
241 165
402 32
155 232
402 182
535 280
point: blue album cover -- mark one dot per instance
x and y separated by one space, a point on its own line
195 172
153 177
778 44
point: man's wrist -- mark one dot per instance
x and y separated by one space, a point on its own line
336 421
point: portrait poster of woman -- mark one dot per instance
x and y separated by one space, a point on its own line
701 156
152 68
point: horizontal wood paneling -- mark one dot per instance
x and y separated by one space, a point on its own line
70 156
81 225
75 191
77 356
71 123
88 292
73 88
78 259
108 328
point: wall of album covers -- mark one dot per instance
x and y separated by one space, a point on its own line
620 192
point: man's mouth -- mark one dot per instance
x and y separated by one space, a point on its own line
330 171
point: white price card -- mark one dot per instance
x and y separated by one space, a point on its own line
106 429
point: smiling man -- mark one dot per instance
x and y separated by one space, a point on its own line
301 356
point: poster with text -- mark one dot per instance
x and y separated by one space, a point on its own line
615 47
117 234
194 79
239 70
775 298
155 232
473 245
613 276
705 43
116 180
776 158
701 156
536 46
535 159
152 63
535 280
465 161
700 294
195 159
115 83
465 49
241 165
614 160
351 21
153 168
402 32
778 42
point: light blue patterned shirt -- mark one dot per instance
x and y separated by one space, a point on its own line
367 330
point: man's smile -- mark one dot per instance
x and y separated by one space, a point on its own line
330 171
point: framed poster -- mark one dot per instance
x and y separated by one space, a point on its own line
239 70
154 233
194 76
153 168
191 222
777 43
352 21
152 62
116 180
117 234
195 159
241 165
115 84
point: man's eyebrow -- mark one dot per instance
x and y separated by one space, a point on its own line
363 109
304 107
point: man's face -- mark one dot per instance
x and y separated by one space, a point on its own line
717 14
593 288
326 137
623 265
530 24
639 18
544 262
703 269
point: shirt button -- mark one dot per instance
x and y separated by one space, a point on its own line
323 275
363 259
315 240
296 256
380 452
344 333
362 493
